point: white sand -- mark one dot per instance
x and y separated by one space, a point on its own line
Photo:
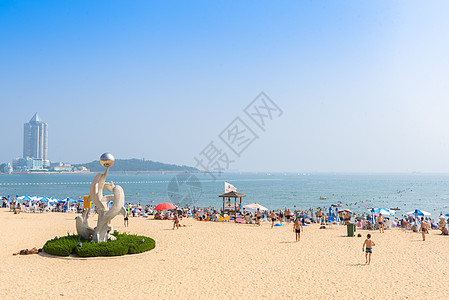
224 260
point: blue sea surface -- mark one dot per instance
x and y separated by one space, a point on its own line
427 192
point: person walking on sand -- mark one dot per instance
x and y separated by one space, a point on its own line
258 216
380 221
297 226
126 219
423 228
273 218
319 215
368 248
175 222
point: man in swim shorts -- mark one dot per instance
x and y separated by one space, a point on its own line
258 217
380 221
369 248
423 228
319 215
273 218
297 226
288 215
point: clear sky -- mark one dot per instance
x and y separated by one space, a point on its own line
363 85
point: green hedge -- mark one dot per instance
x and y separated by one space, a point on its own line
124 244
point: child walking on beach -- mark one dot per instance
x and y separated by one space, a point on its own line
369 248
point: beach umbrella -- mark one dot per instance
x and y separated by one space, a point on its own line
447 215
165 206
255 206
44 199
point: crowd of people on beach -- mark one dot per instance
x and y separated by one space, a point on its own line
247 216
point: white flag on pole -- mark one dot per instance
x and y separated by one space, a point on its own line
229 187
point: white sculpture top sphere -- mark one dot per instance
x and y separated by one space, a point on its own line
107 160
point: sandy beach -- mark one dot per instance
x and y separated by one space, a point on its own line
224 260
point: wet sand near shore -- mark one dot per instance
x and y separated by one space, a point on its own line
224 260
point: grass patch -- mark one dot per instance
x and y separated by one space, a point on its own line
124 244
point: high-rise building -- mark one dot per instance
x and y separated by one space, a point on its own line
35 140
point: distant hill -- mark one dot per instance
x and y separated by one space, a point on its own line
136 165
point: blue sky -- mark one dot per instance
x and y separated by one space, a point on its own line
362 84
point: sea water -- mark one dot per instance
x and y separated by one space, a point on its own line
357 192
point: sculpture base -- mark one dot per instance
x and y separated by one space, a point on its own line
124 244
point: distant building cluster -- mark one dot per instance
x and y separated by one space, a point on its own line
35 151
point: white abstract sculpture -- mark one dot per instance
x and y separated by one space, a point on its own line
101 232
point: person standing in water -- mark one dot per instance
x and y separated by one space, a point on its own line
297 226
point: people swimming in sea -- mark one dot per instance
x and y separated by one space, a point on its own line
368 248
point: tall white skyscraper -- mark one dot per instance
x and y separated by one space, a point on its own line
35 140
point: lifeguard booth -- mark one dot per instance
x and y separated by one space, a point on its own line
231 207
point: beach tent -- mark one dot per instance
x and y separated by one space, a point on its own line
383 211
332 219
255 206
24 198
165 206
330 216
418 212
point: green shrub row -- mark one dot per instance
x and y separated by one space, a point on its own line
124 244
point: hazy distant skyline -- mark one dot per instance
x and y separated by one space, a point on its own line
363 86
